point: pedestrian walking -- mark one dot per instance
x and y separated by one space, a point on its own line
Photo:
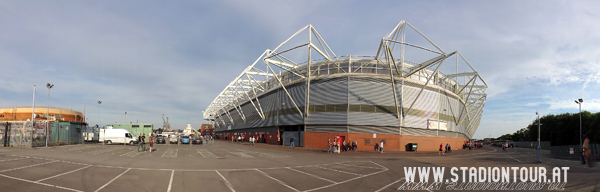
381 147
292 142
334 146
140 142
587 155
329 145
441 152
151 142
376 147
354 145
344 145
338 147
190 139
446 148
144 142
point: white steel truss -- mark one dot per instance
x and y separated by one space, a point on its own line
255 80
287 63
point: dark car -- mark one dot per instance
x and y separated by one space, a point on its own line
197 140
160 139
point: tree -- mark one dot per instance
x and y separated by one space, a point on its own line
560 129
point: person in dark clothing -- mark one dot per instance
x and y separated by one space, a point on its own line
292 142
140 144
144 142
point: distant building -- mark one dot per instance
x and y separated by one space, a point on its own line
207 129
52 114
63 126
189 130
136 129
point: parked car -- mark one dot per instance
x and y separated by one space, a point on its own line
173 139
185 140
160 139
197 140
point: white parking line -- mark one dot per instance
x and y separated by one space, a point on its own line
323 187
171 181
513 158
169 153
339 171
27 166
205 153
278 181
63 173
359 166
12 159
388 185
242 154
226 182
111 180
130 154
310 174
60 187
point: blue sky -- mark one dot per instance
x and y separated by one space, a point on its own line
153 57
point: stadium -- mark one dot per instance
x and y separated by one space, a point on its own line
411 91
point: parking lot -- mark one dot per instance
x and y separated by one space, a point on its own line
227 166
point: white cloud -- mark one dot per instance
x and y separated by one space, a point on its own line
174 58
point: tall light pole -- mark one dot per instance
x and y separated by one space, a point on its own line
539 147
125 116
49 85
579 101
99 102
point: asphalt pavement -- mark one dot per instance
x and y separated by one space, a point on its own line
227 166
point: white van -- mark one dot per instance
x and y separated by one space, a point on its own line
116 136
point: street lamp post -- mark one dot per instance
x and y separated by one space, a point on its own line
99 102
49 85
539 147
579 101
125 116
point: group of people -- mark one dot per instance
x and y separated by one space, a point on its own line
447 149
505 146
379 147
142 142
472 145
241 138
339 146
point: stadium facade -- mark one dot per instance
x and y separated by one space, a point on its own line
400 95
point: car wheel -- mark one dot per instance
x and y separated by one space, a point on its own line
109 142
131 143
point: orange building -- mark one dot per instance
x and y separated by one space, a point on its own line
21 114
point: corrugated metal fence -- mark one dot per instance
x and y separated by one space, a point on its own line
564 151
34 134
